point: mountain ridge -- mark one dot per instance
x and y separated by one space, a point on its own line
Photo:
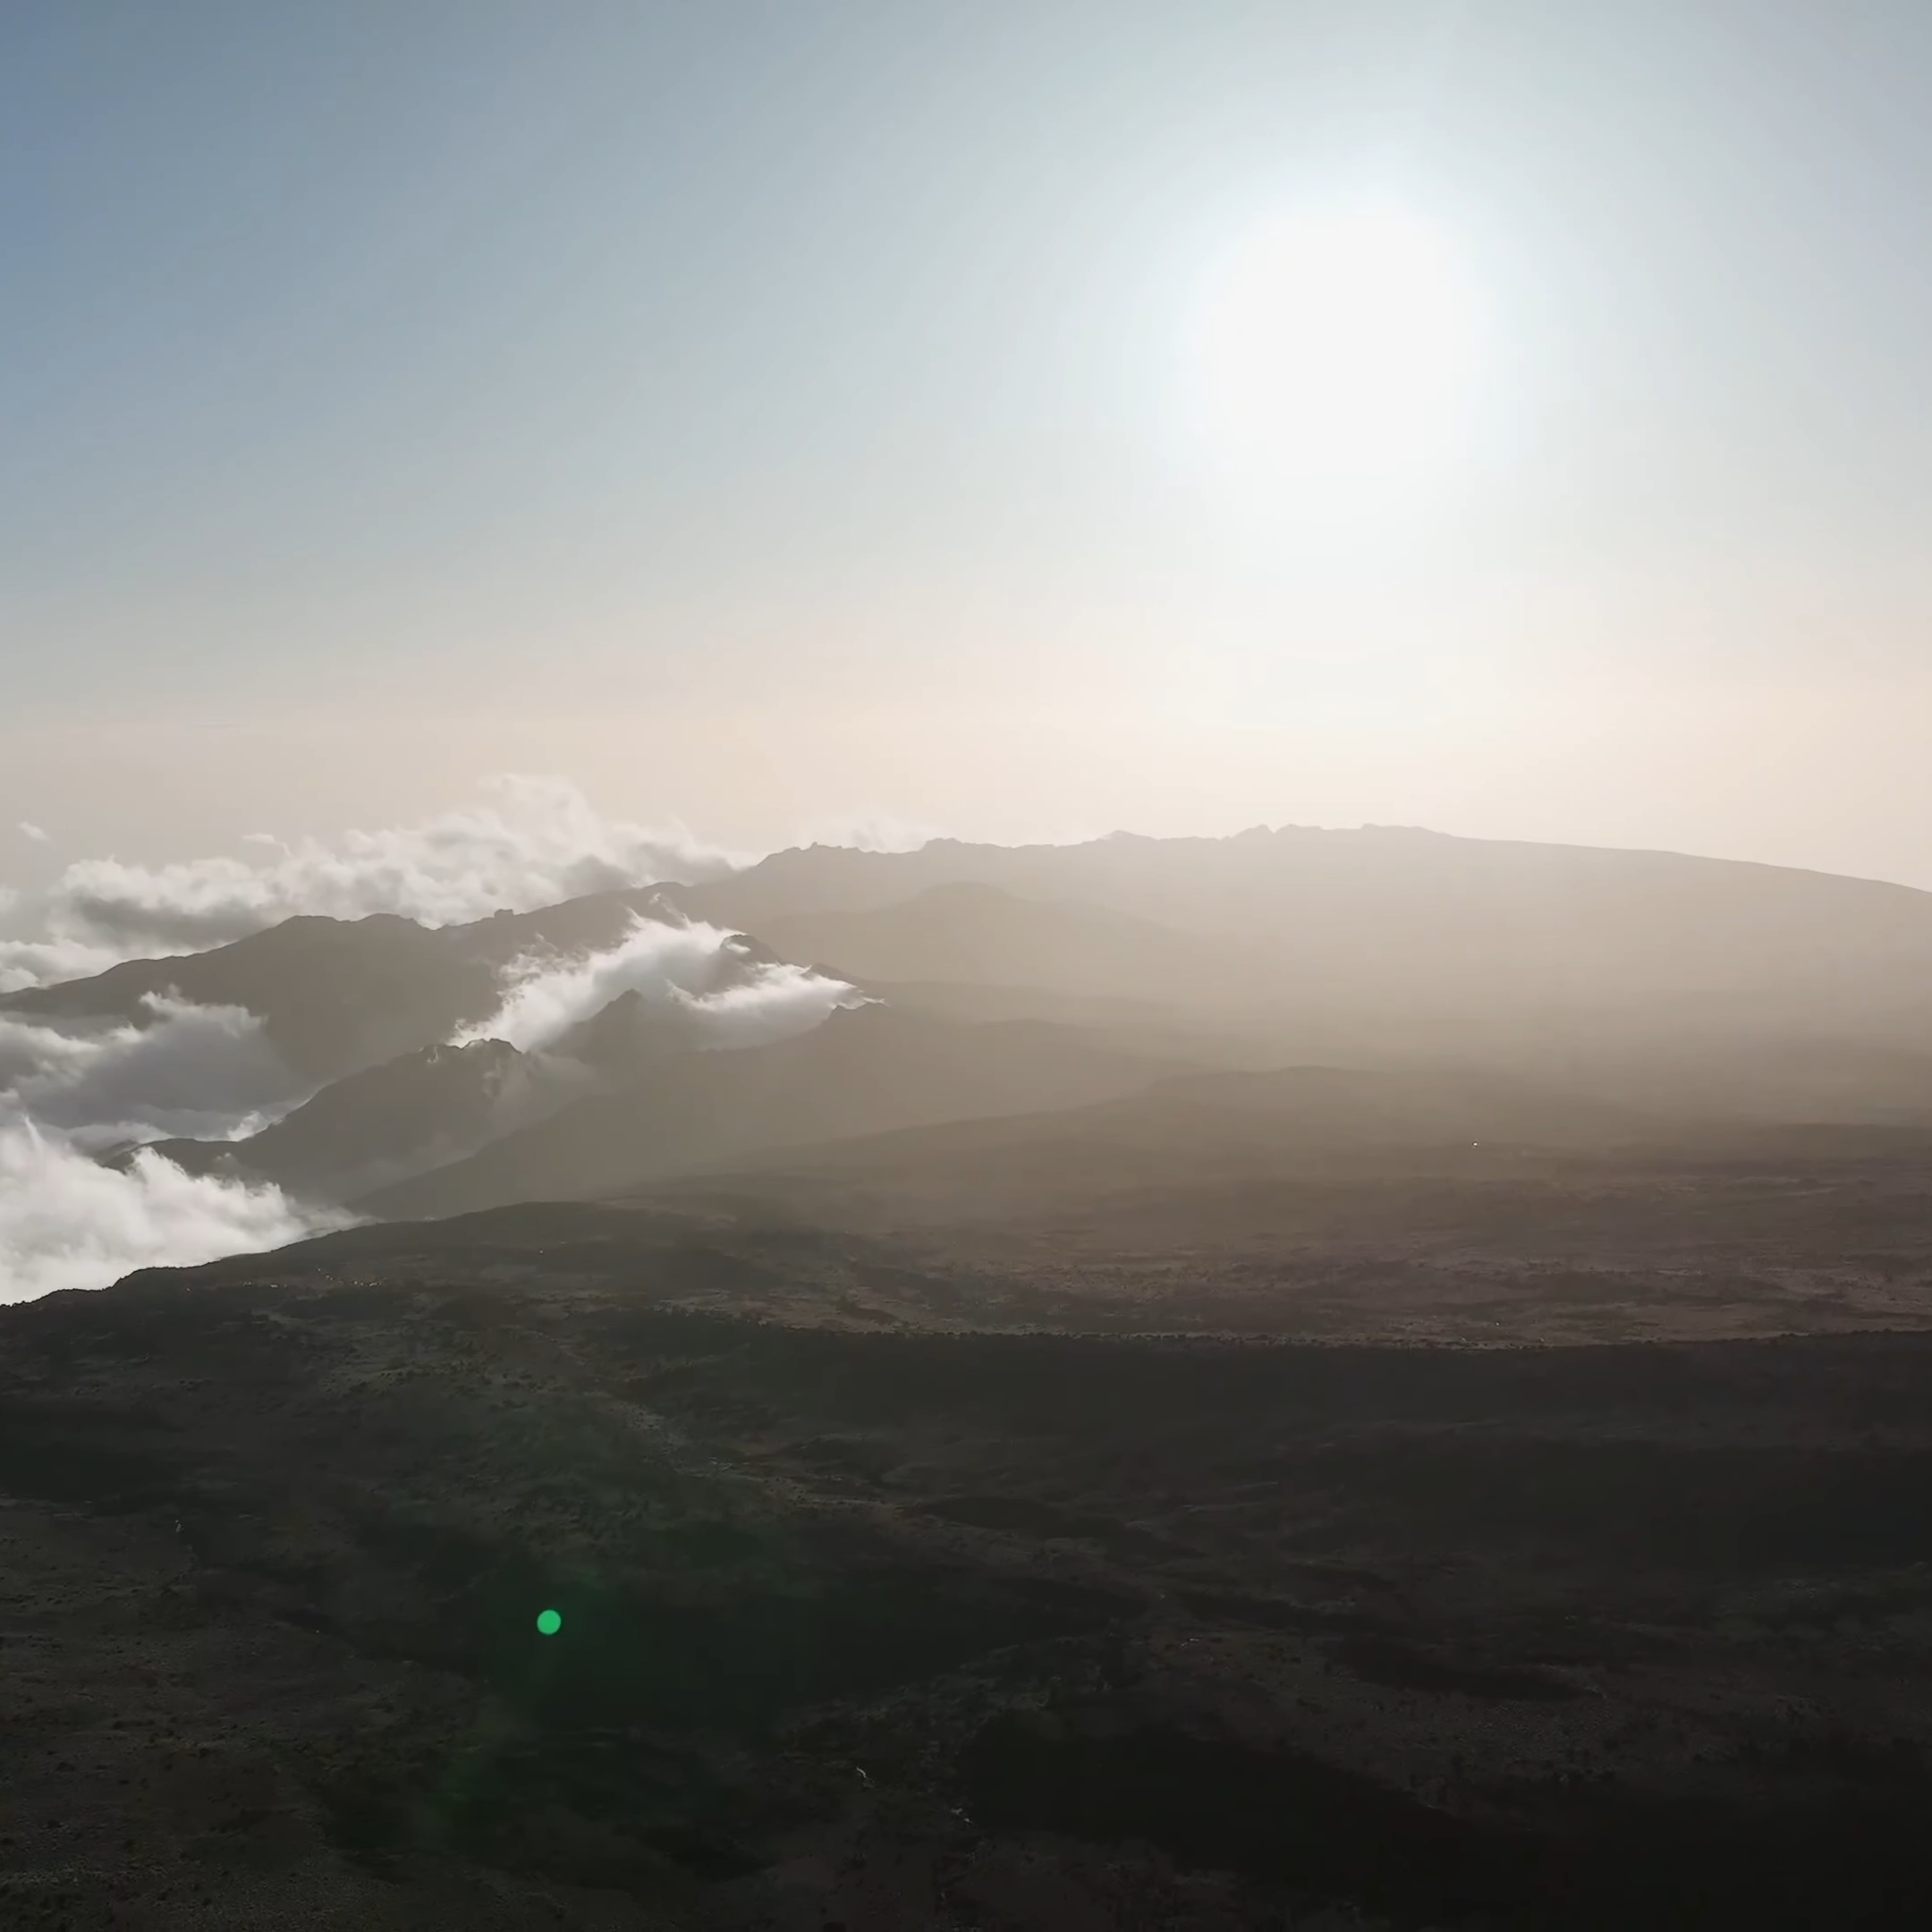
863 1070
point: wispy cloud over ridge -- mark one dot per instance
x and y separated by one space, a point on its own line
532 843
77 1210
704 973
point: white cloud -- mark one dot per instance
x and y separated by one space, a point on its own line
71 1089
700 971
209 1072
537 842
33 962
67 1223
28 830
777 1002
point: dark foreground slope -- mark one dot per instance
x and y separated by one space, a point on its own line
1328 1203
873 1620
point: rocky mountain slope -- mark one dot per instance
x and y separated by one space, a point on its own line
1407 921
337 996
862 1071
877 1607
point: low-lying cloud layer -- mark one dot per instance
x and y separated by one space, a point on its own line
67 1223
207 1072
71 1090
538 840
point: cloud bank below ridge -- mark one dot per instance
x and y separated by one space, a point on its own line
533 842
73 1089
67 1223
69 1092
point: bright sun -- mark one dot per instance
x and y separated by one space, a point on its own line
1338 350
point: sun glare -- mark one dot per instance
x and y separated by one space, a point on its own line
1338 355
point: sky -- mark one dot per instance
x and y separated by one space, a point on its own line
784 419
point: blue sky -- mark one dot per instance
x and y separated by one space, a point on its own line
770 413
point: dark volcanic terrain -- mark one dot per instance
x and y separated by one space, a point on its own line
894 1595
1304 1381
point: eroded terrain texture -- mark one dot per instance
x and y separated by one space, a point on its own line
877 1624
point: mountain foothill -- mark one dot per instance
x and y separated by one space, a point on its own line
1384 984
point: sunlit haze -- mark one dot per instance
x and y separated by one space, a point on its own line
1339 347
966 964
1013 421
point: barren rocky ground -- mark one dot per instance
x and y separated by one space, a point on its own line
889 1599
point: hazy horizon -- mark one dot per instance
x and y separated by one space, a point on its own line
1019 422
520 842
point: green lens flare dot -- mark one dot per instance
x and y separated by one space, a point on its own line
549 1623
